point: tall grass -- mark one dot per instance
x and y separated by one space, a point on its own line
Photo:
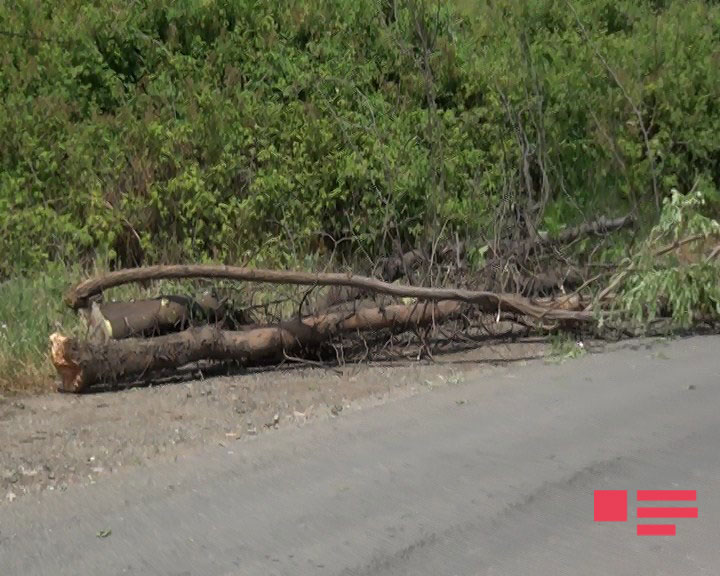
31 309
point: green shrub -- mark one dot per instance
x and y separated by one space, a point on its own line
237 130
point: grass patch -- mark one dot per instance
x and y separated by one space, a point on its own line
31 308
564 347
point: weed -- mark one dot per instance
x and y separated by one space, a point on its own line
564 347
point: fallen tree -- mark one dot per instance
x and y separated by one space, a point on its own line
395 267
112 352
103 357
536 266
82 363
357 306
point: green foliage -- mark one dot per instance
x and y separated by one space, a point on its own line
683 282
237 130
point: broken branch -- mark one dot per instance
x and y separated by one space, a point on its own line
79 295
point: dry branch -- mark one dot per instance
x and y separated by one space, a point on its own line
81 364
79 295
524 264
600 226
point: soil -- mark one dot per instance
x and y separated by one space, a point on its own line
52 441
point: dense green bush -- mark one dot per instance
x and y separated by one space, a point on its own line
269 130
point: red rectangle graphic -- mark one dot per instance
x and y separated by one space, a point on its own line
686 495
656 530
667 512
610 506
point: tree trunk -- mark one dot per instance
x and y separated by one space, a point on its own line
81 364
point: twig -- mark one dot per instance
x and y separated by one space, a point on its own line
713 254
315 363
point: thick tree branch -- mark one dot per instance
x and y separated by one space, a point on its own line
79 295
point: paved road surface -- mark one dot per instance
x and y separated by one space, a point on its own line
492 476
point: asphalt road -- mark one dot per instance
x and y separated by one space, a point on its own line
490 476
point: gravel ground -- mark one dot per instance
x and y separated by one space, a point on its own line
55 440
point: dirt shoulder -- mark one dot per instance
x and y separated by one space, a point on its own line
55 440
